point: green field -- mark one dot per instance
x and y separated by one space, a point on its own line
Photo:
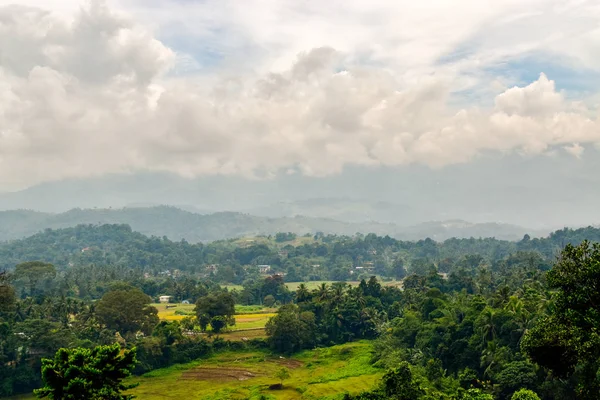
174 312
249 320
315 374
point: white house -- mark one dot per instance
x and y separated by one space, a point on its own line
264 269
164 299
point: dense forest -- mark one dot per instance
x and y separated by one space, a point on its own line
120 251
471 318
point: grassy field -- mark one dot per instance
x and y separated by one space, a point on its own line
174 312
249 320
314 374
231 287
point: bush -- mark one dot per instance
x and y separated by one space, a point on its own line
525 394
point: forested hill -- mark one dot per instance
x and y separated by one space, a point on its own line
178 224
120 245
101 245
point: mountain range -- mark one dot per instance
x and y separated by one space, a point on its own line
178 224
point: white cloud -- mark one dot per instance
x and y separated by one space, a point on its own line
576 150
89 95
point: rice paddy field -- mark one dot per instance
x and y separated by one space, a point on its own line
324 373
250 321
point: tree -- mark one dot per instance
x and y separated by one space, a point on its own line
94 374
127 311
302 294
290 330
33 272
475 394
398 269
7 294
525 394
282 375
515 375
217 310
269 300
567 341
398 384
218 323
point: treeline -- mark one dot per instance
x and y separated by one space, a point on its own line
318 257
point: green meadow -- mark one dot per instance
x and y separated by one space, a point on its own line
324 373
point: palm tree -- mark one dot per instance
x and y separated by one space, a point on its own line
302 293
489 358
337 293
322 293
487 327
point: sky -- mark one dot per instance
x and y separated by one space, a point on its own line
264 89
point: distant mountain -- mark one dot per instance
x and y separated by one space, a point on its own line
342 209
521 192
442 230
178 224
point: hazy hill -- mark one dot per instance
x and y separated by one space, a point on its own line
178 224
100 245
342 209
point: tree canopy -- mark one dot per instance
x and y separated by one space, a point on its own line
127 311
95 374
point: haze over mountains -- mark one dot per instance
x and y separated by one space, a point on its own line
532 196
179 224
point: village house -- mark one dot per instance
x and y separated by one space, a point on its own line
264 269
164 299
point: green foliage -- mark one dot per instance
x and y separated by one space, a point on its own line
525 394
127 311
95 374
290 330
282 375
269 301
475 394
568 341
515 375
396 384
284 237
470 330
33 272
216 309
7 294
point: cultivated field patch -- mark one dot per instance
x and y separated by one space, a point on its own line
314 374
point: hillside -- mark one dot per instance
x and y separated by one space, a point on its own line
119 244
100 245
178 224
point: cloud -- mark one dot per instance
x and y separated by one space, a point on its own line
576 150
95 95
